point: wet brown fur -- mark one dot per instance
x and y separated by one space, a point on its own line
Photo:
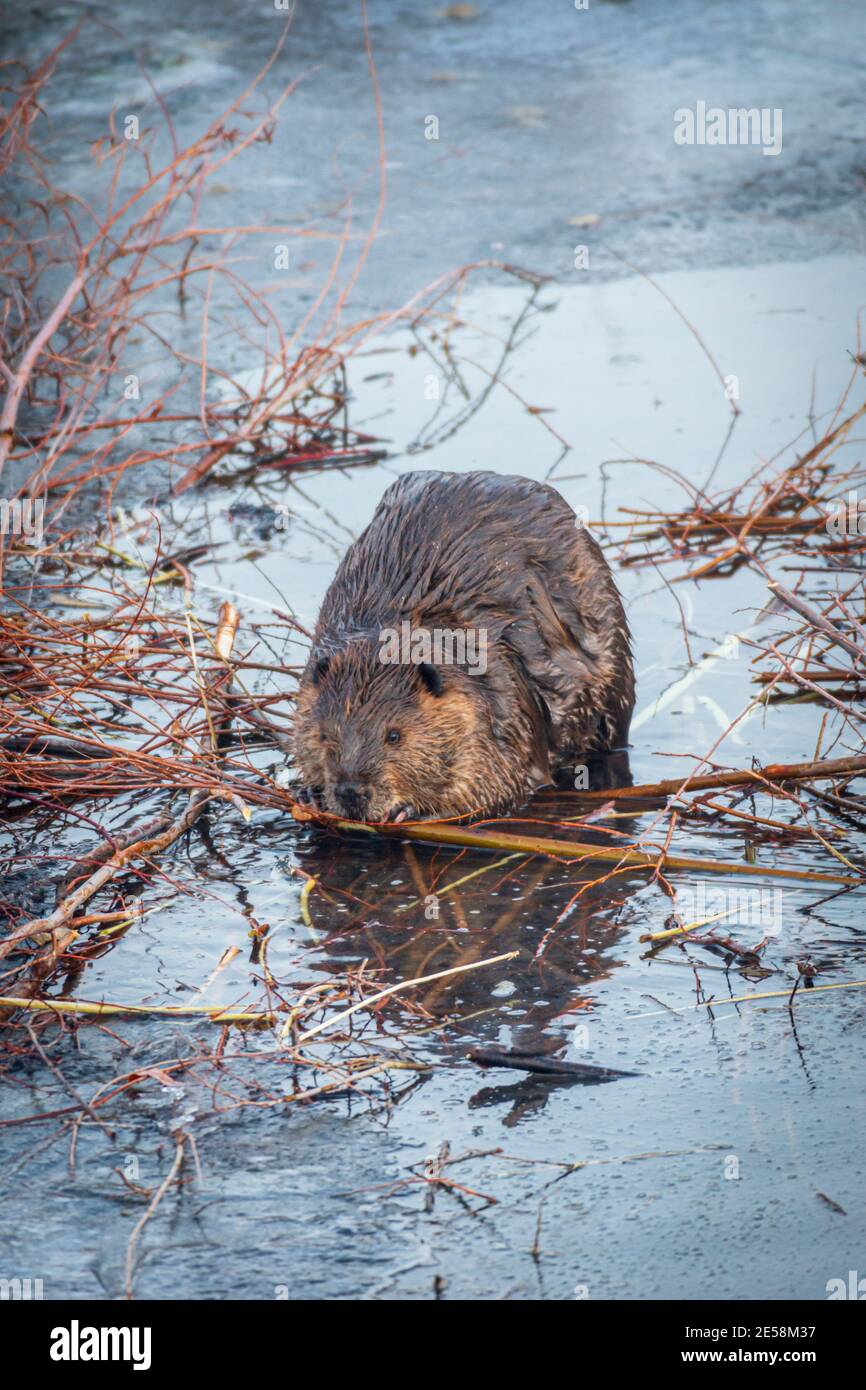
472 551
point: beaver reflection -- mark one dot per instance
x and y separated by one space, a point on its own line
414 909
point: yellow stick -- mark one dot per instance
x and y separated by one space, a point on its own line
109 1010
309 885
782 994
749 998
458 882
690 926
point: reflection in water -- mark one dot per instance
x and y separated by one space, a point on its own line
524 1098
413 909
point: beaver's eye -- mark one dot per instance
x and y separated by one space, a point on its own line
393 736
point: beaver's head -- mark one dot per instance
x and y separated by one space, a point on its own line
379 741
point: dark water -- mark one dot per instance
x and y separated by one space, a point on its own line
704 1170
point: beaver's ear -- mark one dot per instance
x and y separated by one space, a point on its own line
431 678
320 670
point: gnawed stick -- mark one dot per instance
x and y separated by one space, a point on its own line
227 630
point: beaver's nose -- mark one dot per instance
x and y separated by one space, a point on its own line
353 799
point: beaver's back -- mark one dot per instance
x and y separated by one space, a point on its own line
463 541
506 554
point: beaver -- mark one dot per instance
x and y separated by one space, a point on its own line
471 647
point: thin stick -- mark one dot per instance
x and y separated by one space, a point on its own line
307 889
157 1198
458 882
749 998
